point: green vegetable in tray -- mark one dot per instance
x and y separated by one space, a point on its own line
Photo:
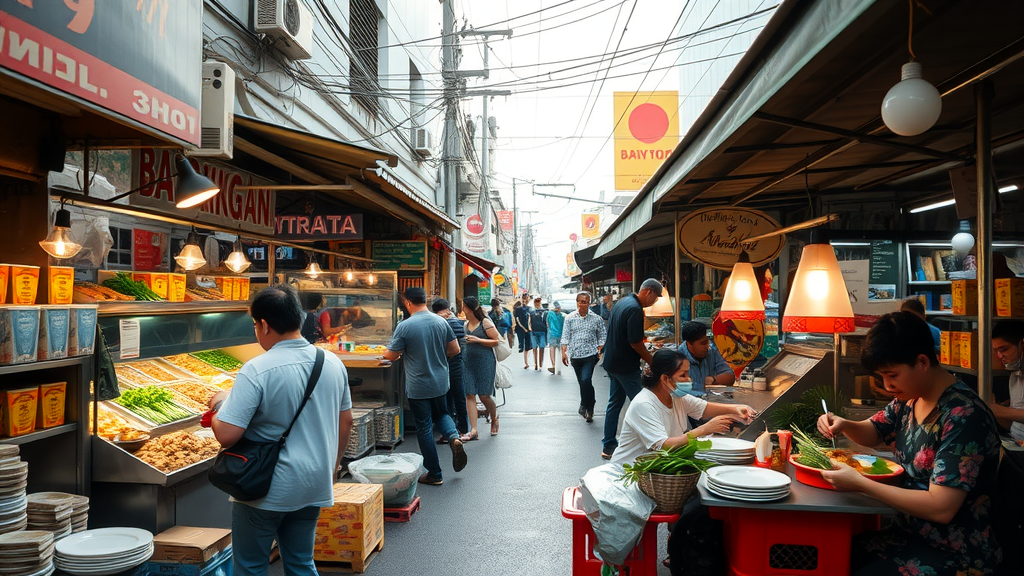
811 454
153 403
219 359
124 284
673 462
879 466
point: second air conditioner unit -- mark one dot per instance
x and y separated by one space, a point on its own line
289 22
217 118
422 141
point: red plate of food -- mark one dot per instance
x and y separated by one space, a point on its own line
868 465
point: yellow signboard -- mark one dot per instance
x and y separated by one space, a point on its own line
591 224
646 133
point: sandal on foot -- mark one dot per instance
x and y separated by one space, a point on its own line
442 441
494 426
469 437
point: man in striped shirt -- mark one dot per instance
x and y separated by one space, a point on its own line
583 336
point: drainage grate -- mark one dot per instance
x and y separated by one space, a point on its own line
793 557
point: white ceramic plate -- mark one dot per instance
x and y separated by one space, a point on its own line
104 542
104 560
724 444
734 496
748 477
752 493
1012 445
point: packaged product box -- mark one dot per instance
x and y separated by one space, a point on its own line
62 284
969 350
226 285
82 332
188 545
5 275
157 281
944 352
18 412
54 325
244 295
236 288
1009 296
965 297
954 349
51 405
19 334
176 285
24 284
352 528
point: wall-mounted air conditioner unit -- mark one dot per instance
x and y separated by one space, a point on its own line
288 22
217 127
422 141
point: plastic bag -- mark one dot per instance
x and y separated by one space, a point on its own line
618 514
502 376
398 473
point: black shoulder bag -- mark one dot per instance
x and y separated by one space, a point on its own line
246 469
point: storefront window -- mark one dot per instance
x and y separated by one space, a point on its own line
120 255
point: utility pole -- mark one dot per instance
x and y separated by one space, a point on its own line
449 68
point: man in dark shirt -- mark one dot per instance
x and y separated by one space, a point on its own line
456 398
622 354
538 332
521 313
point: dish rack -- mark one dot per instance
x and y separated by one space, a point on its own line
387 423
362 440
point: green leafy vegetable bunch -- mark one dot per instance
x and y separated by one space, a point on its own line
673 462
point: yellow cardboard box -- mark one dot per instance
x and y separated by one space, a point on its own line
157 281
351 529
1010 297
965 297
944 349
969 350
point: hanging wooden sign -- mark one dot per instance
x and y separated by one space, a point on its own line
715 236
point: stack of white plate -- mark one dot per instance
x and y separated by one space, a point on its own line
26 553
746 483
728 451
103 551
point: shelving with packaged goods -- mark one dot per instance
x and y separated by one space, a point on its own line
41 434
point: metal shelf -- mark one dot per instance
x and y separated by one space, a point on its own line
929 282
948 315
44 365
159 308
938 312
971 371
41 434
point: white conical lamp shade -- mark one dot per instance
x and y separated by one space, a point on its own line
191 256
742 295
661 308
237 262
818 300
313 270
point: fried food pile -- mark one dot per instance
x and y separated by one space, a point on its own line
176 451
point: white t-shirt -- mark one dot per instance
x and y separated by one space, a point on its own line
649 423
1017 402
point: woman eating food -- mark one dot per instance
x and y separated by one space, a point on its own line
658 417
945 438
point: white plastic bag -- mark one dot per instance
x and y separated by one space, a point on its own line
502 376
618 514
398 473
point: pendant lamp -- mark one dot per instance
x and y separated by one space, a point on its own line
371 279
191 189
58 242
742 299
818 300
237 262
349 276
963 241
313 268
913 105
662 307
191 256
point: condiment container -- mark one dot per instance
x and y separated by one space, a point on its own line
51 404
54 325
18 412
82 333
760 383
19 334
24 284
176 285
62 284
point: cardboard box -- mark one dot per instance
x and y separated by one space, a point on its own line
244 283
965 297
969 350
944 351
18 412
62 284
51 405
157 281
351 529
54 327
1010 297
188 545
176 287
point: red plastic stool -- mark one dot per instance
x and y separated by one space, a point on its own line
642 560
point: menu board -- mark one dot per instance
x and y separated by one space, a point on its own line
884 273
399 255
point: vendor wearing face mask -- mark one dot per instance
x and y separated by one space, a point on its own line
1008 342
658 417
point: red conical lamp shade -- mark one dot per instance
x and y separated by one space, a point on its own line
742 299
818 300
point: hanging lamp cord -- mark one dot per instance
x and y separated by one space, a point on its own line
910 33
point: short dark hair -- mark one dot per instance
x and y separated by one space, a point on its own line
692 331
495 302
654 286
664 362
416 295
897 338
584 293
312 300
439 305
1010 330
279 306
912 305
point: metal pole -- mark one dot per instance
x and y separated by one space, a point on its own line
515 227
835 365
983 142
484 203
676 259
633 285
450 132
271 264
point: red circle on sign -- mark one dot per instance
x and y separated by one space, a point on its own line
590 223
474 225
648 123
573 237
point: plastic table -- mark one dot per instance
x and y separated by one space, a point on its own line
809 532
642 560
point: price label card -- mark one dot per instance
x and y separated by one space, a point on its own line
130 337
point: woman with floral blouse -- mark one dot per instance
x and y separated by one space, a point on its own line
945 438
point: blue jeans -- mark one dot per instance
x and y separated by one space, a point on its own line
621 385
426 411
456 398
253 531
584 368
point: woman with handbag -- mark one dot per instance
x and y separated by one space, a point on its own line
479 365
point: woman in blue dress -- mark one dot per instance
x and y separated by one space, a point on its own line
479 365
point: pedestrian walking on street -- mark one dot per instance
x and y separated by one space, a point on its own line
478 377
604 308
456 398
583 338
538 332
426 341
521 315
267 394
555 322
622 355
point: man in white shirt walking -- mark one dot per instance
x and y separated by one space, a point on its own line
583 337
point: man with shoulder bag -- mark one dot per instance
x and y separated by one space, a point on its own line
285 420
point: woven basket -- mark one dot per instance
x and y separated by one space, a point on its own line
669 493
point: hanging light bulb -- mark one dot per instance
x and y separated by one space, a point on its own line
963 241
237 262
58 242
349 276
662 307
313 268
371 279
913 105
191 256
818 300
742 299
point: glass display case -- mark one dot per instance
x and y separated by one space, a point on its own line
357 307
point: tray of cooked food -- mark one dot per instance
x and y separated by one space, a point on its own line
219 360
111 423
192 365
225 382
369 349
130 377
815 458
177 450
194 391
158 371
156 405
89 292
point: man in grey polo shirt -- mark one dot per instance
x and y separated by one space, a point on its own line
426 341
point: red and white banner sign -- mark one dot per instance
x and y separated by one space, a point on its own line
506 219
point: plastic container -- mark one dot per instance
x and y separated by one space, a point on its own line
18 412
19 334
812 476
82 333
397 473
51 405
54 325
62 284
24 284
